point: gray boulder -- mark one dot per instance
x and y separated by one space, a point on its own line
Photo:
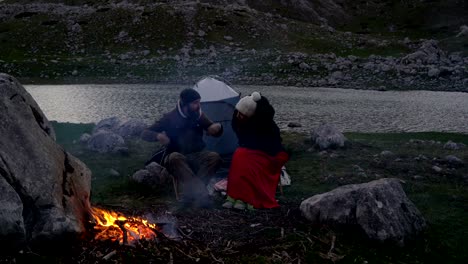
44 191
153 174
387 153
380 209
143 176
463 31
105 141
130 128
453 160
453 146
428 53
108 124
12 229
126 128
327 136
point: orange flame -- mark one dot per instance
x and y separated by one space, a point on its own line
115 226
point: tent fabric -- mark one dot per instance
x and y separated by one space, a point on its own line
218 102
212 90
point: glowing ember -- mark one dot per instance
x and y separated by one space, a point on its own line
115 226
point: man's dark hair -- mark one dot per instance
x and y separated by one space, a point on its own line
188 95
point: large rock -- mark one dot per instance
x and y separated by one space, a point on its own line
44 191
105 141
12 228
152 175
327 136
453 145
380 209
130 128
126 128
108 124
428 53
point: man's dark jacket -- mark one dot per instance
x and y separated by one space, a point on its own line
185 133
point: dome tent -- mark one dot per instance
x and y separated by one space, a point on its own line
218 101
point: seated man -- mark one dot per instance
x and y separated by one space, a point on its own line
181 131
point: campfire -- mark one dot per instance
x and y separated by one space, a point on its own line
115 226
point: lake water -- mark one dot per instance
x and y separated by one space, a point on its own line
349 110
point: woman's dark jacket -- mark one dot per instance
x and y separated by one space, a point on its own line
260 131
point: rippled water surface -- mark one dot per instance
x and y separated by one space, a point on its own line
349 110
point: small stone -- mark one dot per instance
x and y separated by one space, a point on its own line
294 124
85 138
454 160
323 153
113 172
420 157
453 146
436 169
433 72
386 153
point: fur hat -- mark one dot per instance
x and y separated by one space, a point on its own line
188 95
248 104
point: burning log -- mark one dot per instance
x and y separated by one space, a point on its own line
121 224
117 227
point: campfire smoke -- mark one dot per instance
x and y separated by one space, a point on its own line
115 226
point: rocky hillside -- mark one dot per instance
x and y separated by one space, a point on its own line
337 43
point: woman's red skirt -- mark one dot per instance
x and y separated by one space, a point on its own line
254 176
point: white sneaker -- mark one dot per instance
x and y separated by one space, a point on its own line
239 205
227 204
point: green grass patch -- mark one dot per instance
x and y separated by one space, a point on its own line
441 198
403 137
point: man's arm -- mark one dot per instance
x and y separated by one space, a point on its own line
157 132
212 129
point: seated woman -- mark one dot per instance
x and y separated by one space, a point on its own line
256 164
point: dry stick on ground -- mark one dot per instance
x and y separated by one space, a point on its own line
303 235
110 255
174 243
171 258
183 234
215 259
332 245
188 256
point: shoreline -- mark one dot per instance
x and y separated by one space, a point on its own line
353 133
110 81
